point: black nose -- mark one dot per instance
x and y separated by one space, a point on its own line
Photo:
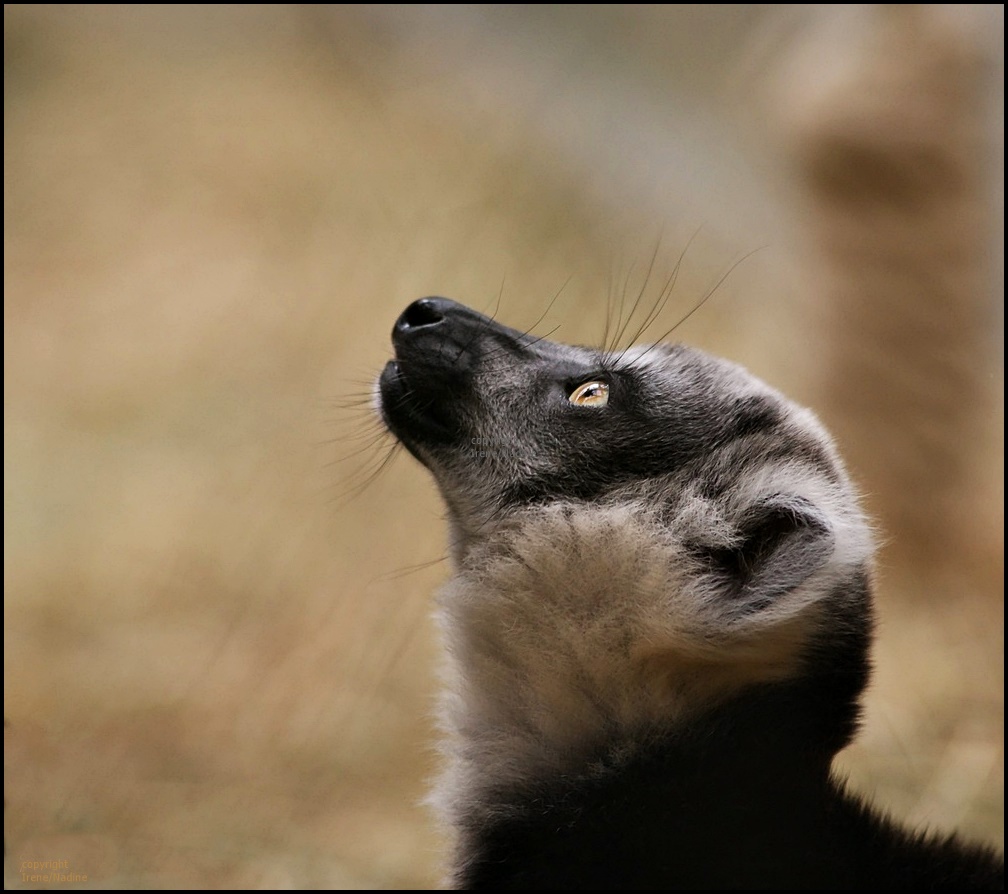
422 313
440 328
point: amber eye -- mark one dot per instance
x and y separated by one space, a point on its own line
590 394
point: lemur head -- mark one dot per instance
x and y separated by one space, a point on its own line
637 536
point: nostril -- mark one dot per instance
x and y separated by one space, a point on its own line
420 313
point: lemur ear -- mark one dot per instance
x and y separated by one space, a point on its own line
783 541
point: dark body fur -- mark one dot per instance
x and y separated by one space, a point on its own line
736 801
659 622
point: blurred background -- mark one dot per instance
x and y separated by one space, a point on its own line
219 669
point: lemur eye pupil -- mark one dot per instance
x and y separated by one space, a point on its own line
590 394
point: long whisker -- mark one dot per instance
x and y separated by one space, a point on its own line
355 489
412 569
549 306
621 330
700 303
666 293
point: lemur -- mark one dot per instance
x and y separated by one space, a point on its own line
658 623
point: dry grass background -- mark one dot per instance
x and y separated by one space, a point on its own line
218 667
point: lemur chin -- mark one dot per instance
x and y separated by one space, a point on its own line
658 623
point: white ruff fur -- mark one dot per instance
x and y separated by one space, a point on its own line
579 627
